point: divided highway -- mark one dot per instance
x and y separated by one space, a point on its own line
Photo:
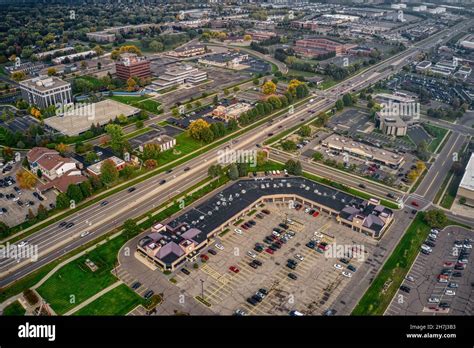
53 241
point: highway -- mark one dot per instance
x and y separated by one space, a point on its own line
54 241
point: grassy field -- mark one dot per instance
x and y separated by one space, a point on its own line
437 133
14 309
184 144
380 293
95 81
77 280
118 301
142 102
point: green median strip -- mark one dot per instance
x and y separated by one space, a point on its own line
382 289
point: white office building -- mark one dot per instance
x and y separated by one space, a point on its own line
44 91
179 75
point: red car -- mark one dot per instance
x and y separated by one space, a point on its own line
268 250
204 257
234 269
415 204
448 264
316 213
244 227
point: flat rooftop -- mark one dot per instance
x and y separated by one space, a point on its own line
44 83
467 181
83 117
227 203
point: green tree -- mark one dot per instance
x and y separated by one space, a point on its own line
74 193
86 188
108 172
318 156
130 227
288 145
127 172
42 212
233 172
4 229
305 131
115 133
347 99
62 201
435 218
294 167
339 105
214 171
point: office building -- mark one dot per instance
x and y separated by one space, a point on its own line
132 65
44 91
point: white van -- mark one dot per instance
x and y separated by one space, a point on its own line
296 314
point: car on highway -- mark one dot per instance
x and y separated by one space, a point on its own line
131 189
70 224
22 244
104 203
186 169
84 234
162 182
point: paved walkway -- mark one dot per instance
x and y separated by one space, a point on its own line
93 298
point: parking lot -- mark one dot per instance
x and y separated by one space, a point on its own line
227 279
16 203
440 283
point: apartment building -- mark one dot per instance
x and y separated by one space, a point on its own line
188 51
44 91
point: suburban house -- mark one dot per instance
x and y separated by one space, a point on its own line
50 162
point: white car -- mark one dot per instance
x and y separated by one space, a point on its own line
240 312
467 246
299 257
22 244
238 231
410 278
433 300
307 210
219 246
450 292
276 234
337 266
85 233
251 254
434 231
347 274
432 235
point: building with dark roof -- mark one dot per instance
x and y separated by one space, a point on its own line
182 238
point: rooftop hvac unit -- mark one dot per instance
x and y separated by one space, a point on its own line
209 213
243 192
201 217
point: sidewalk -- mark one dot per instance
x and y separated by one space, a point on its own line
93 298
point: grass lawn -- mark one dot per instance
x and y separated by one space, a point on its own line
300 73
437 133
328 83
184 144
142 102
14 309
450 194
118 301
383 288
95 81
77 280
137 132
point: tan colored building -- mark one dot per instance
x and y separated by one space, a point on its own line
363 151
391 125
